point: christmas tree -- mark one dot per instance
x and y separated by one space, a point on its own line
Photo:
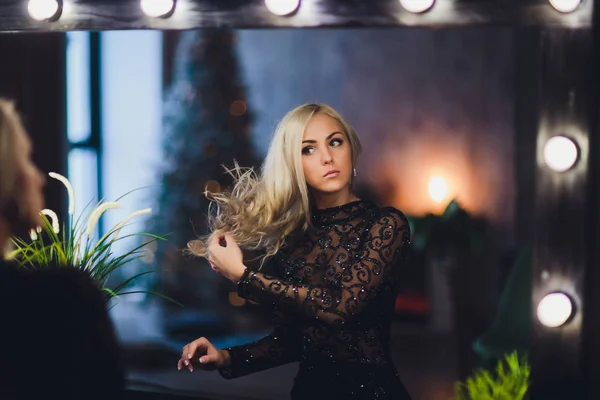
206 126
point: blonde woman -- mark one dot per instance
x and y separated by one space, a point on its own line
333 262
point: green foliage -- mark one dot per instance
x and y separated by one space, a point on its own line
453 235
509 381
73 246
439 233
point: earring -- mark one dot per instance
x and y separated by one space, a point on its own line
354 171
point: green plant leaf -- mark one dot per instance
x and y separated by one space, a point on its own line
73 248
509 380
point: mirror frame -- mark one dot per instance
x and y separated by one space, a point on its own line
97 15
559 95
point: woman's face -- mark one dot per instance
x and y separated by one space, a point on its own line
30 183
326 156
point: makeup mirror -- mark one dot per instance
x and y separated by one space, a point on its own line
459 106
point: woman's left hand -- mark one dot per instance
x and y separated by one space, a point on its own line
225 257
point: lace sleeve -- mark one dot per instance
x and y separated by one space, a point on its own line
378 262
281 347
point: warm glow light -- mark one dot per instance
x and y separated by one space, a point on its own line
44 10
425 156
565 6
417 6
554 310
560 153
157 8
438 189
282 7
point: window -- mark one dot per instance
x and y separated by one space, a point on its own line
83 158
114 113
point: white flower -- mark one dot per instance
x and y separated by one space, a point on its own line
97 213
33 232
121 224
117 228
53 219
67 184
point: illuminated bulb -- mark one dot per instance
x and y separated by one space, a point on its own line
438 189
282 7
157 8
44 10
554 310
565 6
417 6
560 153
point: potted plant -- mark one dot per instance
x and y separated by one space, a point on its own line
72 244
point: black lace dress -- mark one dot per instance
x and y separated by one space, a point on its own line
335 287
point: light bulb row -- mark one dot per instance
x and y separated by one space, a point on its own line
51 10
560 153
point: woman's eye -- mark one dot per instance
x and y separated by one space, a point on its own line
308 150
336 142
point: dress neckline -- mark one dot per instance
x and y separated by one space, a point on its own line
339 213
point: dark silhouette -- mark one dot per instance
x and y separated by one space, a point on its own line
57 339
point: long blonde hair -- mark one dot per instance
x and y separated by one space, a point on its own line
9 124
260 211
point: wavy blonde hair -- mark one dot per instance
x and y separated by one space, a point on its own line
10 123
261 210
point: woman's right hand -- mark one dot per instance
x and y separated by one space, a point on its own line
204 355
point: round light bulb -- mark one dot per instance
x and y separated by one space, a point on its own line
560 153
43 10
554 310
438 189
417 6
282 7
157 8
565 6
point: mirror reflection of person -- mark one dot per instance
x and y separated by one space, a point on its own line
21 182
56 337
336 260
